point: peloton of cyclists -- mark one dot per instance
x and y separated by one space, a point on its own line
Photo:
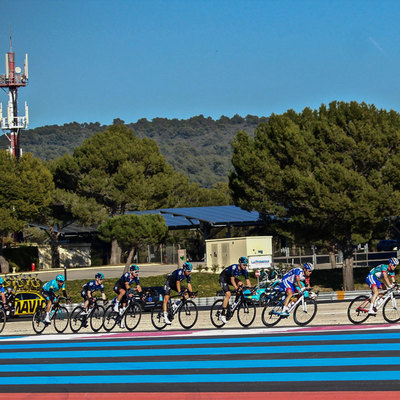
229 277
48 292
123 285
292 282
375 278
174 283
91 287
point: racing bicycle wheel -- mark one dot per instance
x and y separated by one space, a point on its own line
110 318
305 312
38 323
133 316
61 319
157 317
357 311
271 313
96 318
391 309
215 314
246 313
3 319
77 319
188 314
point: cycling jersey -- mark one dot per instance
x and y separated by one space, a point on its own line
376 274
52 286
91 287
2 289
233 270
178 275
290 278
378 271
127 278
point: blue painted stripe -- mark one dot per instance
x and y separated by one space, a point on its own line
194 341
84 353
200 378
134 366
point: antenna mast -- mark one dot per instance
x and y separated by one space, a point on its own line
11 123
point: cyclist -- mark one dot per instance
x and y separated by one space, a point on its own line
2 292
292 282
375 277
93 286
174 283
229 277
10 299
123 285
48 292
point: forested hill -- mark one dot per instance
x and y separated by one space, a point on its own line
199 147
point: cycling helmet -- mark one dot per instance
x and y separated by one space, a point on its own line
394 261
60 278
309 266
99 275
9 289
243 260
134 267
187 266
1 281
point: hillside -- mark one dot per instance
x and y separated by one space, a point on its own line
199 147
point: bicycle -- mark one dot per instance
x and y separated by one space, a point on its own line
80 316
58 313
302 304
185 308
128 316
388 300
246 310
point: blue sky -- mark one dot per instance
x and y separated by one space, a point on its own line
95 60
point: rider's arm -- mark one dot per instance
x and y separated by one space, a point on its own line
139 289
386 278
248 283
190 287
3 297
233 282
178 286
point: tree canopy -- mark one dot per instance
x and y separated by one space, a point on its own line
330 174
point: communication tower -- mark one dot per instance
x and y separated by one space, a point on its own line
11 123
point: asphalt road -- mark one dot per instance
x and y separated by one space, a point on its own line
328 314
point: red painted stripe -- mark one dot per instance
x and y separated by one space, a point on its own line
207 396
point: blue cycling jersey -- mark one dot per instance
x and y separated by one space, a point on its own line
52 286
235 271
92 287
179 275
2 289
290 276
127 278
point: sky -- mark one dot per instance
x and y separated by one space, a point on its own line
97 60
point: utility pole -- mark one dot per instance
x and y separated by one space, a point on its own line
11 123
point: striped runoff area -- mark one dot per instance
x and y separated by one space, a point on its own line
206 364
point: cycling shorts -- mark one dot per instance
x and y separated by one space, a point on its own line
373 281
286 285
170 285
225 283
48 295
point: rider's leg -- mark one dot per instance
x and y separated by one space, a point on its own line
375 292
165 308
48 307
121 293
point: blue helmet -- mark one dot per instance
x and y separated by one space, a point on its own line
187 266
99 275
309 266
243 260
133 267
394 261
60 278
